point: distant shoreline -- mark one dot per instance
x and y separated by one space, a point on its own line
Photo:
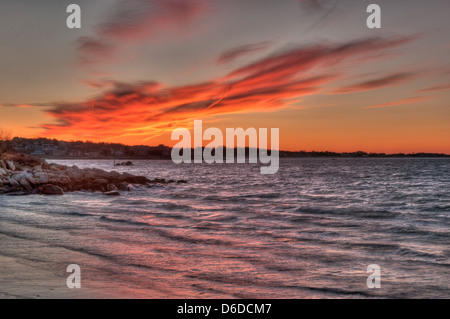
118 160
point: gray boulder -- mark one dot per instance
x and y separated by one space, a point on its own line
124 186
112 193
11 165
13 183
50 189
26 185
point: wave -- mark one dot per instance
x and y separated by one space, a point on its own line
77 214
261 195
193 240
123 221
216 198
360 213
340 292
136 202
411 230
170 235
222 218
420 254
172 206
436 208
373 247
170 215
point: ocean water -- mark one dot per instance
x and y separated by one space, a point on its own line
310 231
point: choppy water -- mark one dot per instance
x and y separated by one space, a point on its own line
309 231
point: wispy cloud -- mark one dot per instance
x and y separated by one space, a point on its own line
436 88
385 81
133 21
317 5
411 100
138 19
323 8
235 53
94 50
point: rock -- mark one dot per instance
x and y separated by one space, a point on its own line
4 189
75 175
37 169
24 175
158 181
99 184
50 189
182 181
30 179
112 193
112 188
21 160
41 178
64 180
18 176
19 172
124 187
112 176
126 176
11 165
129 163
89 174
13 183
26 185
53 167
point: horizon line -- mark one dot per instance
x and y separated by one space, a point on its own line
246 147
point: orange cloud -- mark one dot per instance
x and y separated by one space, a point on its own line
147 109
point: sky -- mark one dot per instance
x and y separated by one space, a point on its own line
138 69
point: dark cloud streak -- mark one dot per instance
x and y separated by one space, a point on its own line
235 53
390 80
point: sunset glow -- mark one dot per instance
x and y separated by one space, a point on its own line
136 71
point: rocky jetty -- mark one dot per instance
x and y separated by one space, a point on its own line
22 174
